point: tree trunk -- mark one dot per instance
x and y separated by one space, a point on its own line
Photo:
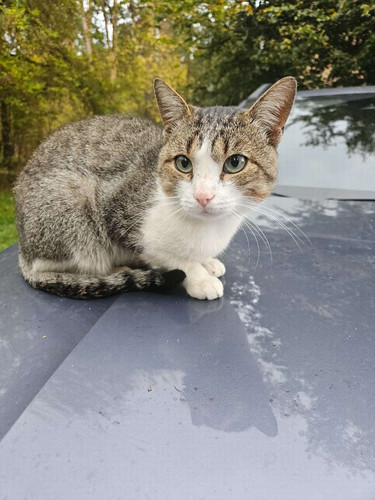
6 135
113 53
106 23
86 28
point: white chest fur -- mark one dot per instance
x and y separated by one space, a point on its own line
169 237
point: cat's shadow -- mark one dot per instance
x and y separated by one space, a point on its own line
223 385
205 341
145 339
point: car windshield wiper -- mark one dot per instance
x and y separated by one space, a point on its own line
352 199
279 195
306 192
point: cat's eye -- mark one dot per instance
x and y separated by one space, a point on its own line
234 164
183 164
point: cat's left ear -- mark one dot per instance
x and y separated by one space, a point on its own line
172 106
272 109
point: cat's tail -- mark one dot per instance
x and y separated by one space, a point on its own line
80 286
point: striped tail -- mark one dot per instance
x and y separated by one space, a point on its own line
79 286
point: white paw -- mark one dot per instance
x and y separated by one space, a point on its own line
215 267
209 288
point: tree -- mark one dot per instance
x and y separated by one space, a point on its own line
240 45
62 61
66 60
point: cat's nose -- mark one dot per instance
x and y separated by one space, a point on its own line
203 198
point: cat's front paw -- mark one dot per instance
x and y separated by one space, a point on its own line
215 267
209 288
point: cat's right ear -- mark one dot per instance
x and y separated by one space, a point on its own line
172 107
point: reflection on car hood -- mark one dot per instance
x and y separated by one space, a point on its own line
267 393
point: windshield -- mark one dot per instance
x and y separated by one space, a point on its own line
329 142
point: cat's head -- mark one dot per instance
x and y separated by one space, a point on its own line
215 159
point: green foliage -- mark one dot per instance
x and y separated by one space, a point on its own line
8 233
66 60
53 70
239 45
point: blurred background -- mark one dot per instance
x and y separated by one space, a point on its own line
65 60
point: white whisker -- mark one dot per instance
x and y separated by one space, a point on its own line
265 207
256 241
291 233
262 236
254 236
245 233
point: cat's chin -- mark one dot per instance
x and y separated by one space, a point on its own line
209 215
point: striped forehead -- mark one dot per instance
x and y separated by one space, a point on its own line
209 125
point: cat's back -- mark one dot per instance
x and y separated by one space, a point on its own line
71 180
103 146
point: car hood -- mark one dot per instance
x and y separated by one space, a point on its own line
267 393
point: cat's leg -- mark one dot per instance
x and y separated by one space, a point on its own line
199 283
214 267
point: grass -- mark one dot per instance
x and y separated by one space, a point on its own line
8 233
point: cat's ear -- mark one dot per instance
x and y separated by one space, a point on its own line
272 109
172 107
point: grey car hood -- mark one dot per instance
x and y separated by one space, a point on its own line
267 393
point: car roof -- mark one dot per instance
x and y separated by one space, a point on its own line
303 94
266 393
337 91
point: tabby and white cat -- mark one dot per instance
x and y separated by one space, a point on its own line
114 203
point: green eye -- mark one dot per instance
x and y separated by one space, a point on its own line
234 164
183 164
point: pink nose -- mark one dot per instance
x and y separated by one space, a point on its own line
204 198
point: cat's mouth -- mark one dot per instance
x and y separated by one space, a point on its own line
205 213
210 213
206 210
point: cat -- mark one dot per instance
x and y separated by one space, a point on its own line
115 203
